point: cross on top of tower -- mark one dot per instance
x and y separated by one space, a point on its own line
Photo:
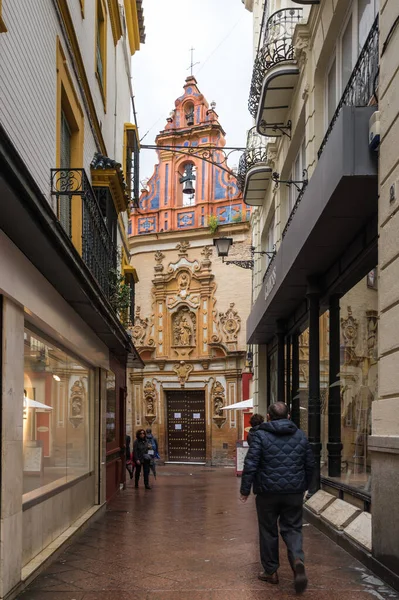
192 64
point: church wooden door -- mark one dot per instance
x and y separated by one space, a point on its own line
186 426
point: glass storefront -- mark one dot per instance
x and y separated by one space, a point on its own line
358 381
58 416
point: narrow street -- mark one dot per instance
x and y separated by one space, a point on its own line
190 538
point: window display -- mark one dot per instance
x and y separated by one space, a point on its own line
57 423
358 379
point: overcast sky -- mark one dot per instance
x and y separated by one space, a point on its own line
221 33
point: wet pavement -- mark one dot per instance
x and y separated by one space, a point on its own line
190 538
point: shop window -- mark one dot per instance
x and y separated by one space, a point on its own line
101 48
58 416
358 381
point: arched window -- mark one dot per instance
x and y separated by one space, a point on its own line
187 180
189 113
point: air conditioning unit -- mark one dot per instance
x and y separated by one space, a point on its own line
374 130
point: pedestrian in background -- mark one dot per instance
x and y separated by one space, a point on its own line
279 465
153 441
141 459
254 421
129 462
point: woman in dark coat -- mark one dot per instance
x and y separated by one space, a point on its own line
254 421
141 458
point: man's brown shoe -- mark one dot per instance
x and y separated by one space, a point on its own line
300 578
273 578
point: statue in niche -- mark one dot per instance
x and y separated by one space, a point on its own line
184 328
76 403
218 401
183 283
150 397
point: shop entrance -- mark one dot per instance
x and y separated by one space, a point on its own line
186 426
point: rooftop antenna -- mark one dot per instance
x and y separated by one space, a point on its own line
192 65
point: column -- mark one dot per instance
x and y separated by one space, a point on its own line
334 445
288 375
314 426
280 362
12 411
295 413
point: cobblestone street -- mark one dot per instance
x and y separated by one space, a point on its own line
190 538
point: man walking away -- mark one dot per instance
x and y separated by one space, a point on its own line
279 465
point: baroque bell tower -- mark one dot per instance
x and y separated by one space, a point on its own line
191 308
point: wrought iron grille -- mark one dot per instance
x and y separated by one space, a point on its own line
255 153
98 250
293 211
275 46
362 84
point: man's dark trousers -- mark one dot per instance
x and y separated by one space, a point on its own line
289 507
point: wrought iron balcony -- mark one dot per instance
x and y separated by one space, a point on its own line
98 250
255 153
275 46
253 171
362 85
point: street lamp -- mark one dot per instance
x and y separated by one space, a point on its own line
223 246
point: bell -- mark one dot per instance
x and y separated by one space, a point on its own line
187 180
188 187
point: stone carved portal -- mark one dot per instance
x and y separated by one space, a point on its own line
76 403
231 325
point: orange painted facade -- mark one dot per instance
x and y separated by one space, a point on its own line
192 126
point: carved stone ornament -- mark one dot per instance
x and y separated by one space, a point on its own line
183 370
139 329
76 403
300 49
183 247
218 402
349 328
231 324
150 396
271 158
159 256
372 333
207 252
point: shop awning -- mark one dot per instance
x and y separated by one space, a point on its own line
245 404
333 233
29 403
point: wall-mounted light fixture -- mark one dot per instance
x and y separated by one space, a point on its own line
223 244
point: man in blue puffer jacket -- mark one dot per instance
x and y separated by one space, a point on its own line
279 465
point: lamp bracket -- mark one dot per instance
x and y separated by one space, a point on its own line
299 184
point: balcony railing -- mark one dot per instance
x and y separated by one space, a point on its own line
275 46
98 250
362 84
255 153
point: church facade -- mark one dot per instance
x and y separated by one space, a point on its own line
191 308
